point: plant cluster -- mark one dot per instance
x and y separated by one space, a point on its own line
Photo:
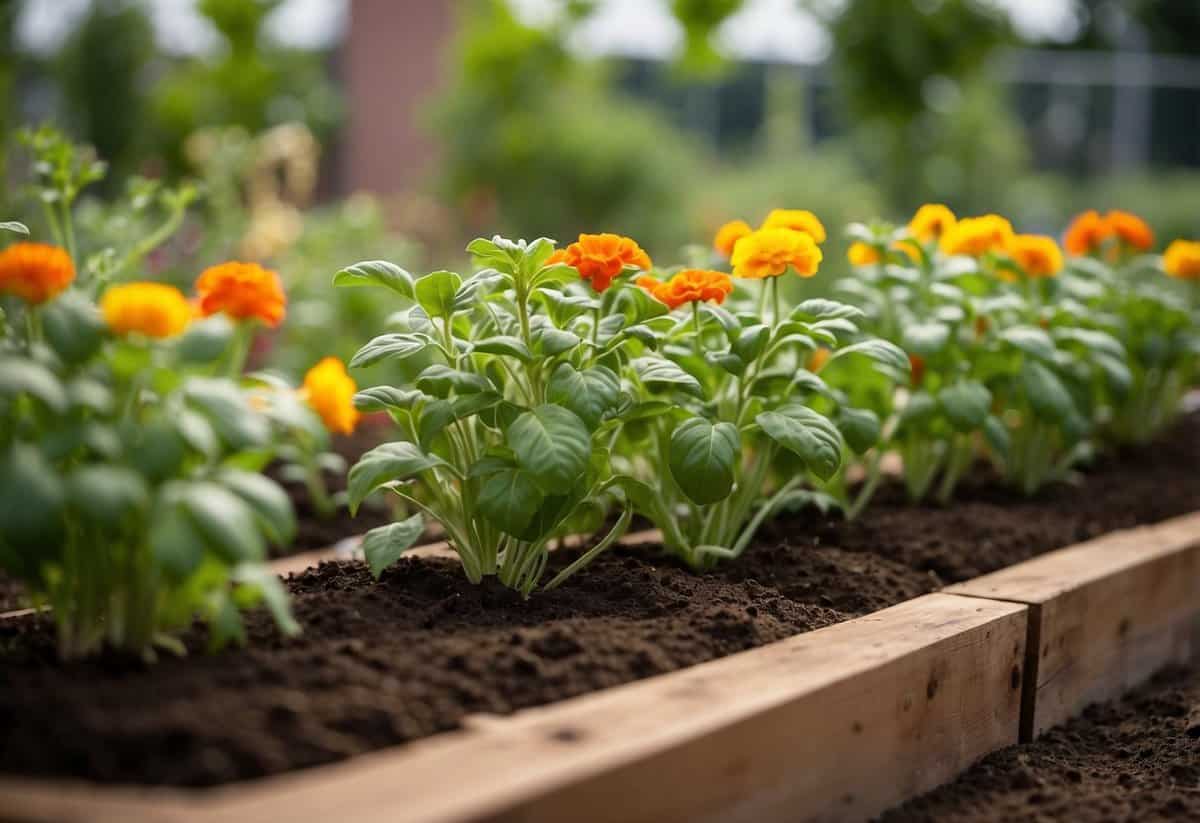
132 448
575 387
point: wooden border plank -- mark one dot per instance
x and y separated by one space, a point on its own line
839 723
1105 615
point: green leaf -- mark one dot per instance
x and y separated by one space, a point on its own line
440 381
1047 395
438 414
703 459
728 361
860 427
229 412
589 393
31 501
205 340
886 354
19 376
271 504
383 464
73 327
511 346
918 412
750 342
383 546
384 398
552 444
925 339
391 346
1031 340
966 403
806 433
14 226
227 524
997 435
377 273
176 542
660 374
509 499
268 588
822 309
107 495
549 341
435 292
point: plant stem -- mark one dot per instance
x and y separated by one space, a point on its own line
591 554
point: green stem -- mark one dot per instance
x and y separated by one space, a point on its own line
239 349
614 534
763 512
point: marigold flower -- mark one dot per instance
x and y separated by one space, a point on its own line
242 291
152 309
728 235
329 391
818 359
1037 255
1182 259
796 220
931 221
916 365
1086 233
1130 229
975 236
862 254
769 252
601 257
689 286
35 272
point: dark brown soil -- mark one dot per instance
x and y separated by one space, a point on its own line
382 664
1133 760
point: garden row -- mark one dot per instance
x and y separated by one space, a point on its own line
554 392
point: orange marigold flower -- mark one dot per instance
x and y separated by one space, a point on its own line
1130 229
152 309
1182 259
1086 234
1036 254
329 391
35 272
601 257
769 252
862 254
242 291
916 364
931 221
796 220
975 236
818 359
728 235
689 286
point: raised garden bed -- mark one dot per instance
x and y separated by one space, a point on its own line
425 652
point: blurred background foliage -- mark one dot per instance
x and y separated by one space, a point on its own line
535 133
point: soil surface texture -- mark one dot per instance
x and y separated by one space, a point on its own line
382 664
1137 759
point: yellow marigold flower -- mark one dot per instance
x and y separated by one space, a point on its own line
689 286
931 221
1037 255
1130 229
862 254
769 252
35 272
152 309
728 235
1182 259
599 258
1086 233
242 291
329 391
796 220
975 236
818 359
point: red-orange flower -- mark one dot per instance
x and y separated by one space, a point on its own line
728 235
1130 229
601 257
242 291
1086 234
35 272
1037 255
689 286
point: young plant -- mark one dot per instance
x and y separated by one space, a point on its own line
506 435
729 430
